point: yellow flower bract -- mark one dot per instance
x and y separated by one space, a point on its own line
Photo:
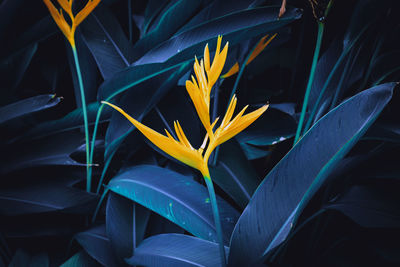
66 5
199 89
257 50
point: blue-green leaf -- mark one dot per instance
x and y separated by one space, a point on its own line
107 42
56 150
175 197
176 250
268 218
96 244
45 197
27 106
234 174
235 27
125 221
80 259
271 128
71 121
173 18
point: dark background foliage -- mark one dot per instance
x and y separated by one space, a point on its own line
331 200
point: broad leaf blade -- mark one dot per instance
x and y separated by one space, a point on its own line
234 174
175 197
27 106
125 221
176 250
96 244
235 27
107 42
45 198
267 219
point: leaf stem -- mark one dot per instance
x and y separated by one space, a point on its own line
99 205
96 124
217 220
85 118
310 80
330 76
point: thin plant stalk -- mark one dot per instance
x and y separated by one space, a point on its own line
330 76
99 205
217 219
310 80
96 124
340 84
85 119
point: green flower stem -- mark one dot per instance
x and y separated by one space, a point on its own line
96 124
310 81
85 119
217 220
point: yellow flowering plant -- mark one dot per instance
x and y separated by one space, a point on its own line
69 32
199 89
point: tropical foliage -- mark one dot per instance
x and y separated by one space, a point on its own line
312 180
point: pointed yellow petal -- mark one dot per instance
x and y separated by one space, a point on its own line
169 135
198 102
260 47
215 122
229 112
257 50
60 21
239 124
203 145
218 48
232 71
238 116
67 6
218 65
171 147
91 4
207 58
181 135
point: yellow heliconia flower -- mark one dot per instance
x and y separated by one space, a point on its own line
66 5
257 50
199 91
206 75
